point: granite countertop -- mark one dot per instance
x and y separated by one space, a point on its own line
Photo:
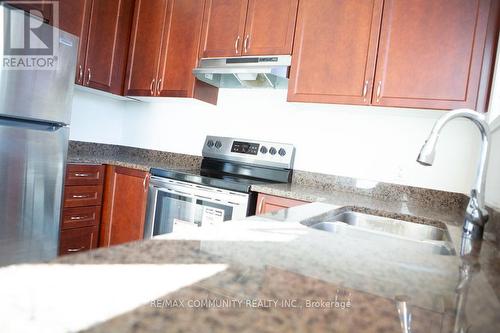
272 273
267 273
129 157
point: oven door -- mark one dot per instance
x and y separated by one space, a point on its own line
171 203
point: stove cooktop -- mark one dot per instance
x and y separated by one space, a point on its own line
236 164
211 178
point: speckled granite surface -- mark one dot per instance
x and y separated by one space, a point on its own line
276 257
136 158
392 200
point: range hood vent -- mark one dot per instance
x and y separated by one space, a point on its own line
245 72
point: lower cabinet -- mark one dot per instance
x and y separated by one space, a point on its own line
124 205
269 203
81 214
78 240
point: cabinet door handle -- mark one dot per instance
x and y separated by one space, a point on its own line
76 250
379 90
152 87
80 196
78 218
365 90
245 43
89 76
236 44
80 74
82 174
158 87
261 205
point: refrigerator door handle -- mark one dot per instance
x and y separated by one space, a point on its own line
31 125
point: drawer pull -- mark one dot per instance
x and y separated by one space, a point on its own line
77 218
76 250
80 196
82 174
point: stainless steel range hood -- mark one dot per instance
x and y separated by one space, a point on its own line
245 72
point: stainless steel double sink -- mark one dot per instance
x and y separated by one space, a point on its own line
424 238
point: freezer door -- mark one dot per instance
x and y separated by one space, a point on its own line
32 166
39 94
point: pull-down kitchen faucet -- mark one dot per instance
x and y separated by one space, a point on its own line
476 215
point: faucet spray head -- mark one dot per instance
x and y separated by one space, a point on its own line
428 151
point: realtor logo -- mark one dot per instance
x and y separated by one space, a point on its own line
28 42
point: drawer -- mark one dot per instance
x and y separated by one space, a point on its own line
78 240
81 196
84 174
81 217
269 203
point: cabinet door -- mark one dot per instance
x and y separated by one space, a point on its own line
181 41
145 46
270 26
108 41
223 28
335 51
39 8
74 17
270 203
430 53
124 205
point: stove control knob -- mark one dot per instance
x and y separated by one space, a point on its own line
218 144
272 151
210 143
263 150
282 152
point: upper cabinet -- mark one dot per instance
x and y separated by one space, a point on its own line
104 30
164 50
414 53
40 8
269 27
164 47
73 18
335 62
223 28
145 47
431 61
248 27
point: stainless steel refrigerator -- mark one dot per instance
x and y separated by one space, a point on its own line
35 112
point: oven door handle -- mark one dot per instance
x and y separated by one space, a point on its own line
195 196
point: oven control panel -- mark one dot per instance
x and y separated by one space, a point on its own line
262 153
245 147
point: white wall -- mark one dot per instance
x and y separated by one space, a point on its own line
493 180
363 142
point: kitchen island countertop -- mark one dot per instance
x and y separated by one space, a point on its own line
272 273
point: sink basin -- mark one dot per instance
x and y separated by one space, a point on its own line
388 232
396 227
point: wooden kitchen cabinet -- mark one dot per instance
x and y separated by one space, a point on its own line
270 26
394 53
145 46
124 205
248 27
164 50
78 240
81 213
40 8
103 27
431 60
269 203
335 51
74 18
223 28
